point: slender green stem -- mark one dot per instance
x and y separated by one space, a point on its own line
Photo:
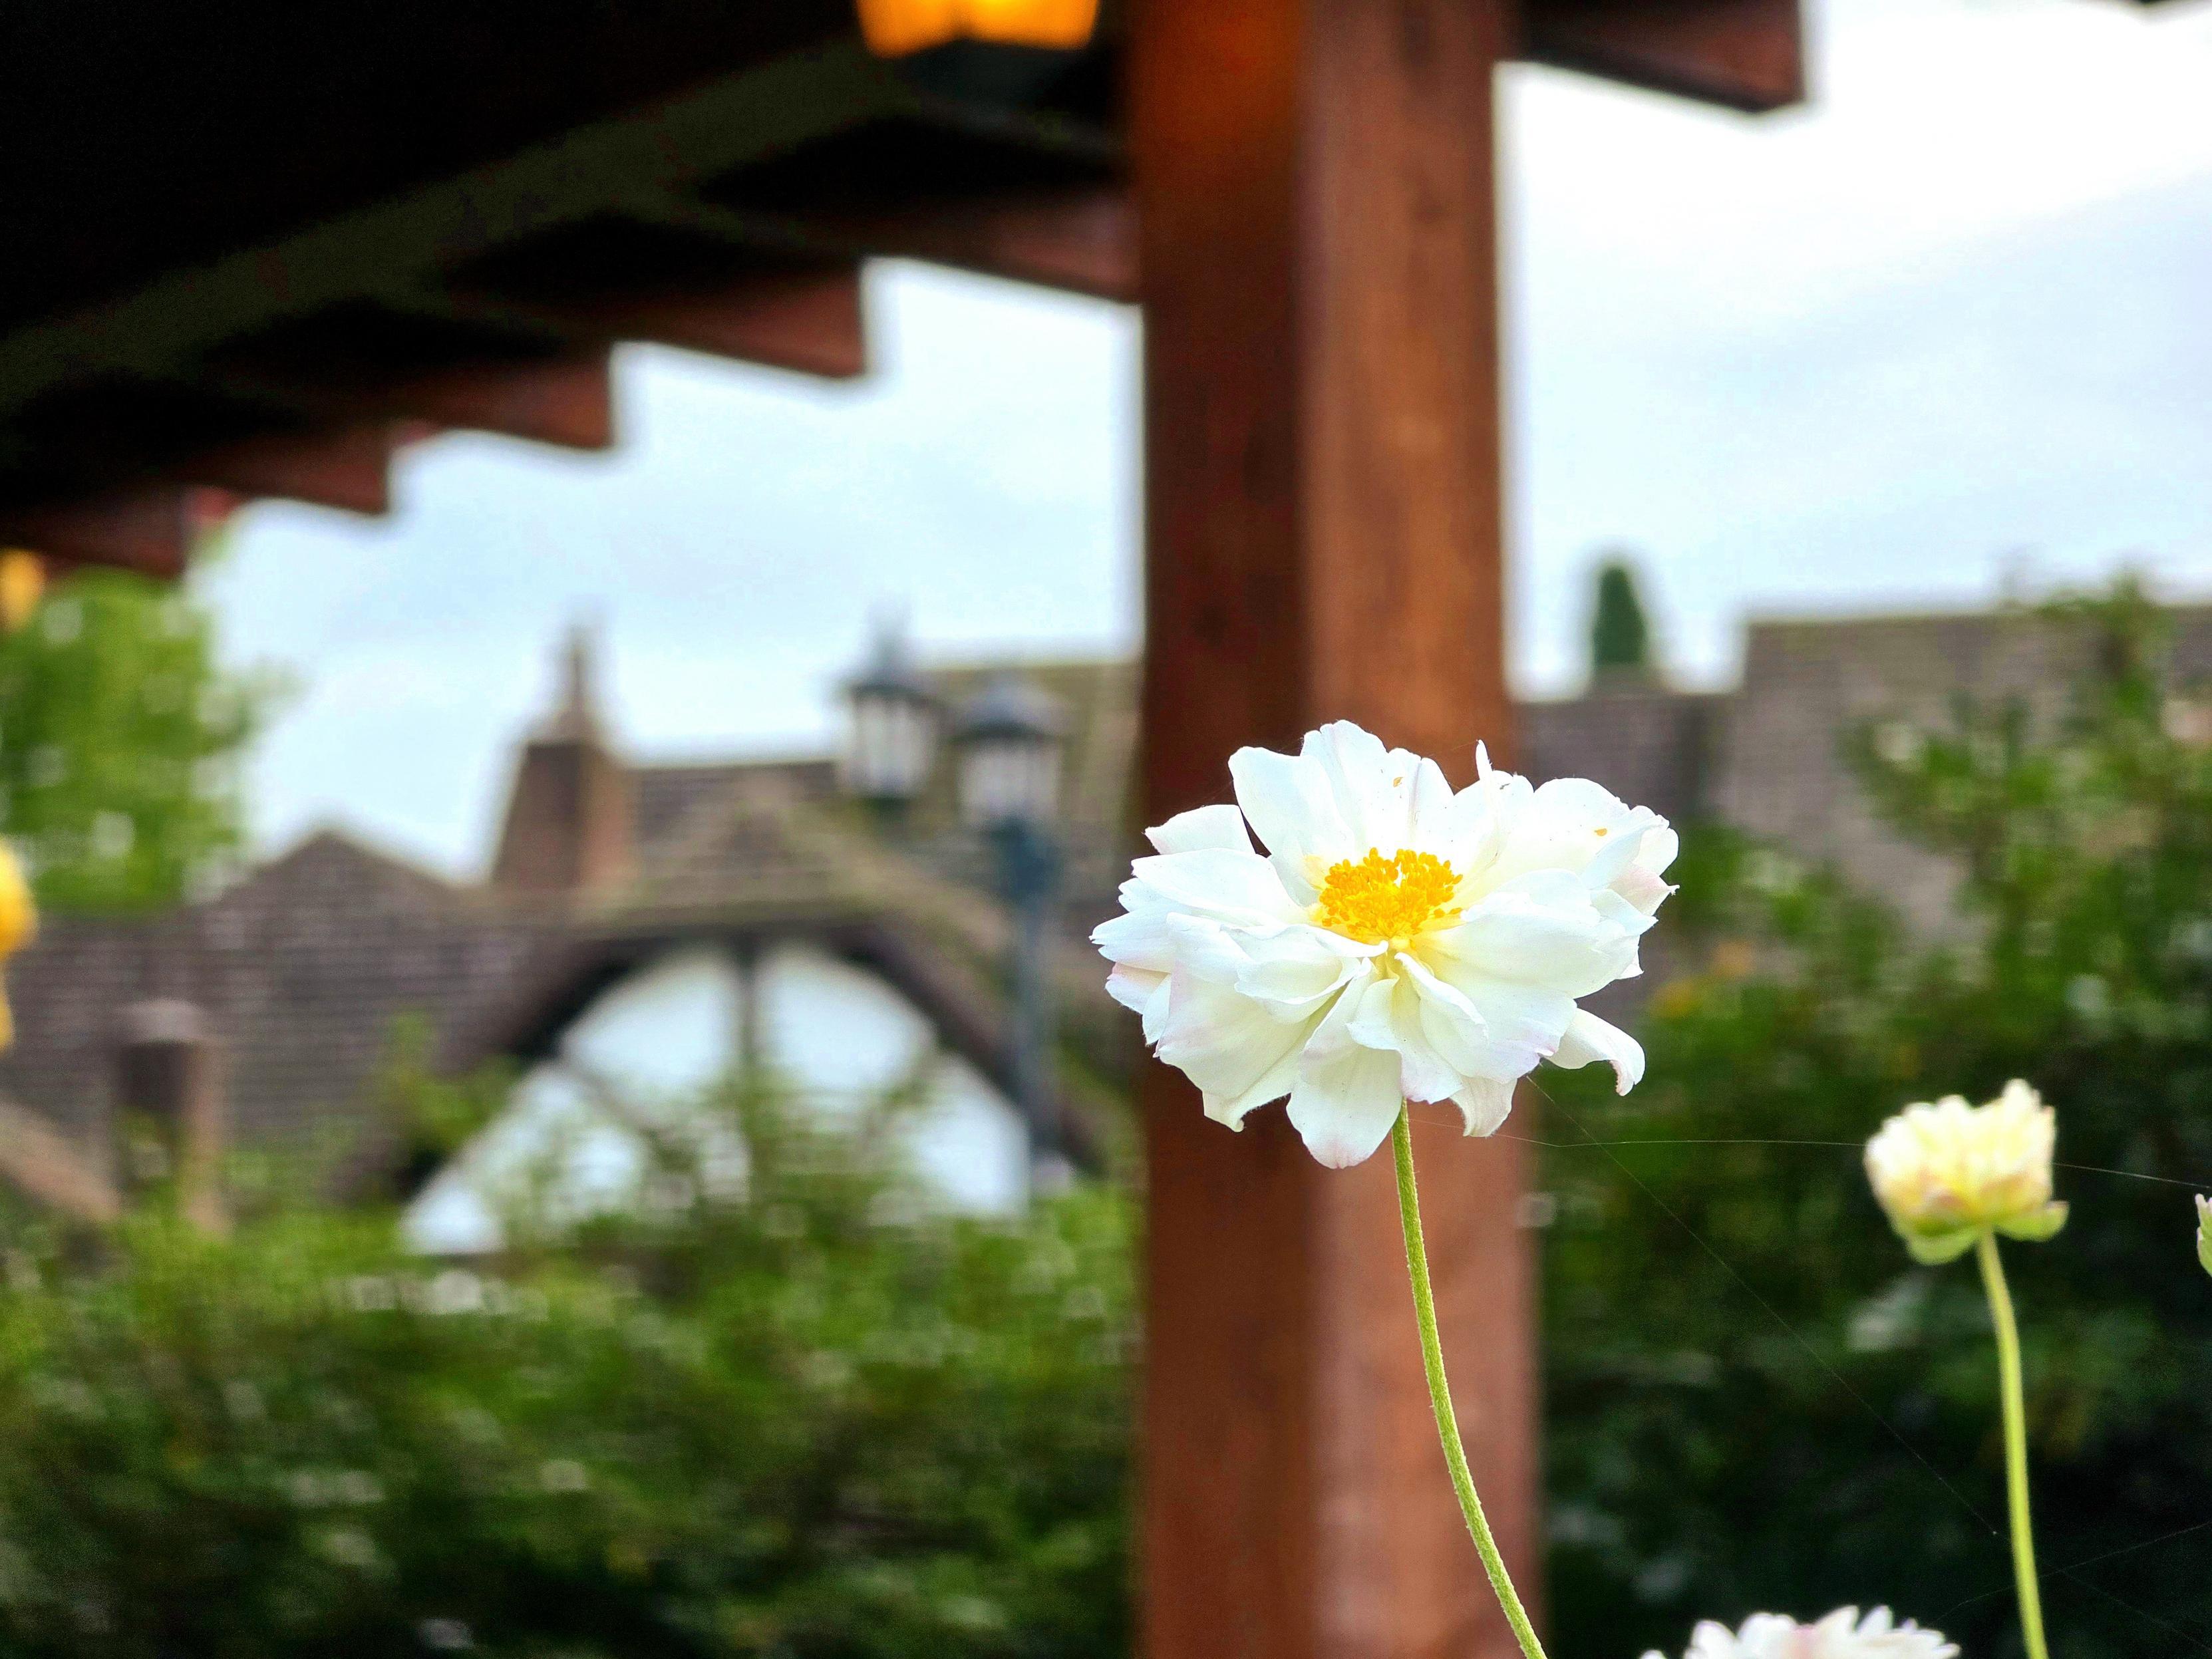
1432 1358
2015 1443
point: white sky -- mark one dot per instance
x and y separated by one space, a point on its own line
1948 320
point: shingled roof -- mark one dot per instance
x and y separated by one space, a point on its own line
302 968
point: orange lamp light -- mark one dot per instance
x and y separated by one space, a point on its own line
894 29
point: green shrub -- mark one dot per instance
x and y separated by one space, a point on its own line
814 1422
1754 1398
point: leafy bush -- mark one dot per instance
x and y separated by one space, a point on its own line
815 1422
1754 1398
118 778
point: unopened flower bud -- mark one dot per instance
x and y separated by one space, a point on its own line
1949 1173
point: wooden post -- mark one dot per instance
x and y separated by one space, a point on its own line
1319 267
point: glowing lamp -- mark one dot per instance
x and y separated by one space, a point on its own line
894 29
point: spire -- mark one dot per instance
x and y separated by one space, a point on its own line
575 719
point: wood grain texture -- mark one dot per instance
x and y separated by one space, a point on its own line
1318 273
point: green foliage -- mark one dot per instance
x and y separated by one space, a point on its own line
1756 1400
1620 639
815 1422
117 734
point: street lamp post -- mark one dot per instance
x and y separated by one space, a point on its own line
1010 740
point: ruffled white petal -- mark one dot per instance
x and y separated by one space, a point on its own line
1294 813
1347 1096
1542 929
1588 1038
1453 1025
1484 1104
1207 828
1233 887
1299 967
1372 785
1523 1025
1388 1017
1273 1084
1137 938
1223 1042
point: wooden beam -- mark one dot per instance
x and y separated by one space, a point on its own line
385 250
569 402
1321 451
1082 241
811 322
348 468
147 531
1744 54
566 400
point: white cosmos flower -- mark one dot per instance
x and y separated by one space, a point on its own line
1842 1635
1396 942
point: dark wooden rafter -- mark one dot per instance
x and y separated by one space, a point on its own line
196 364
490 301
734 220
380 361
1742 54
149 531
345 467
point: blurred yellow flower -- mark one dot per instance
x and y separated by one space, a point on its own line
2205 1232
18 924
22 585
1949 1173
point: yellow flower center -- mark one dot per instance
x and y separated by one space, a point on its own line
1388 896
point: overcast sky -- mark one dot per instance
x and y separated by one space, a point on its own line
1948 322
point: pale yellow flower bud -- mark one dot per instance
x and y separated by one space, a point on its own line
2205 1232
1949 1173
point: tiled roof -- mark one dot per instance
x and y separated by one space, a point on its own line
303 970
1808 685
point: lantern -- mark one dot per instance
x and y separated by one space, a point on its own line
1009 741
893 739
894 29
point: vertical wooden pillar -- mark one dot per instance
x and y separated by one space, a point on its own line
1322 452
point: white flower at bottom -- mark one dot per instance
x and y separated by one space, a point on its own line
1397 941
1842 1635
1949 1172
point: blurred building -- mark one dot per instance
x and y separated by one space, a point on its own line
646 932
647 929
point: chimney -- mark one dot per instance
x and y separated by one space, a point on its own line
572 812
169 1107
